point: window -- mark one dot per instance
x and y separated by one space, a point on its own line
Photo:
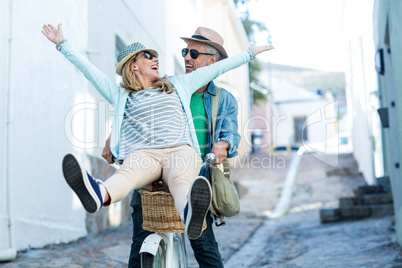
300 130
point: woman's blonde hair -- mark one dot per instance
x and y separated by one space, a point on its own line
131 83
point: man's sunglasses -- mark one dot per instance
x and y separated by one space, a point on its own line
193 53
149 55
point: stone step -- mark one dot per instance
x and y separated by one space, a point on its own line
328 215
370 189
347 202
379 211
358 211
385 183
373 199
368 199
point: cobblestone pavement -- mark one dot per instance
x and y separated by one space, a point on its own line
298 239
253 239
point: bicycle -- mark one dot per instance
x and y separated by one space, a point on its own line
168 250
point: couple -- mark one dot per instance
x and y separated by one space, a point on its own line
136 137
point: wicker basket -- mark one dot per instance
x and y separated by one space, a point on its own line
159 212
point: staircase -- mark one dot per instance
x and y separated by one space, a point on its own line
369 201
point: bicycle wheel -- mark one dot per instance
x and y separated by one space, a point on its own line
158 261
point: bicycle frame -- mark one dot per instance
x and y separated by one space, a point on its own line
172 245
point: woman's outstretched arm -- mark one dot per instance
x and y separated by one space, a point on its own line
106 87
202 76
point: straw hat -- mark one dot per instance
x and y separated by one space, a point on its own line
210 37
130 51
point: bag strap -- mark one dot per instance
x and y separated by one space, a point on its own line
226 167
215 107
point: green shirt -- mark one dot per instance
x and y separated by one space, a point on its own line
200 120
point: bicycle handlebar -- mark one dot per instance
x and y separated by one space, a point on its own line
210 158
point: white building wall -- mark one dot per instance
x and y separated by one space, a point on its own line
320 122
220 15
42 89
4 89
360 84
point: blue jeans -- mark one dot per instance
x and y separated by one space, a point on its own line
205 248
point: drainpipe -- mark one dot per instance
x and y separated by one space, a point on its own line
10 253
286 195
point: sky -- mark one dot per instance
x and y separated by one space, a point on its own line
305 33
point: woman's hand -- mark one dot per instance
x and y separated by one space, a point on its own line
54 35
257 50
107 153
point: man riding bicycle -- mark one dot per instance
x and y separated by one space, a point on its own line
226 141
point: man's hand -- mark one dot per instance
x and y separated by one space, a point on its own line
220 149
107 153
54 35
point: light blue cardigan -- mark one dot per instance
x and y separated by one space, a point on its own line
185 86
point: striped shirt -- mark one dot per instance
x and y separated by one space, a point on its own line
152 120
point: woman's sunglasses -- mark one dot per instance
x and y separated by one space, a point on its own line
149 55
193 53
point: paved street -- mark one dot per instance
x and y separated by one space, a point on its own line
254 238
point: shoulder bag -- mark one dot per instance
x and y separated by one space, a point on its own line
225 199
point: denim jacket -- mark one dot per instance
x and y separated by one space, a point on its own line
226 122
